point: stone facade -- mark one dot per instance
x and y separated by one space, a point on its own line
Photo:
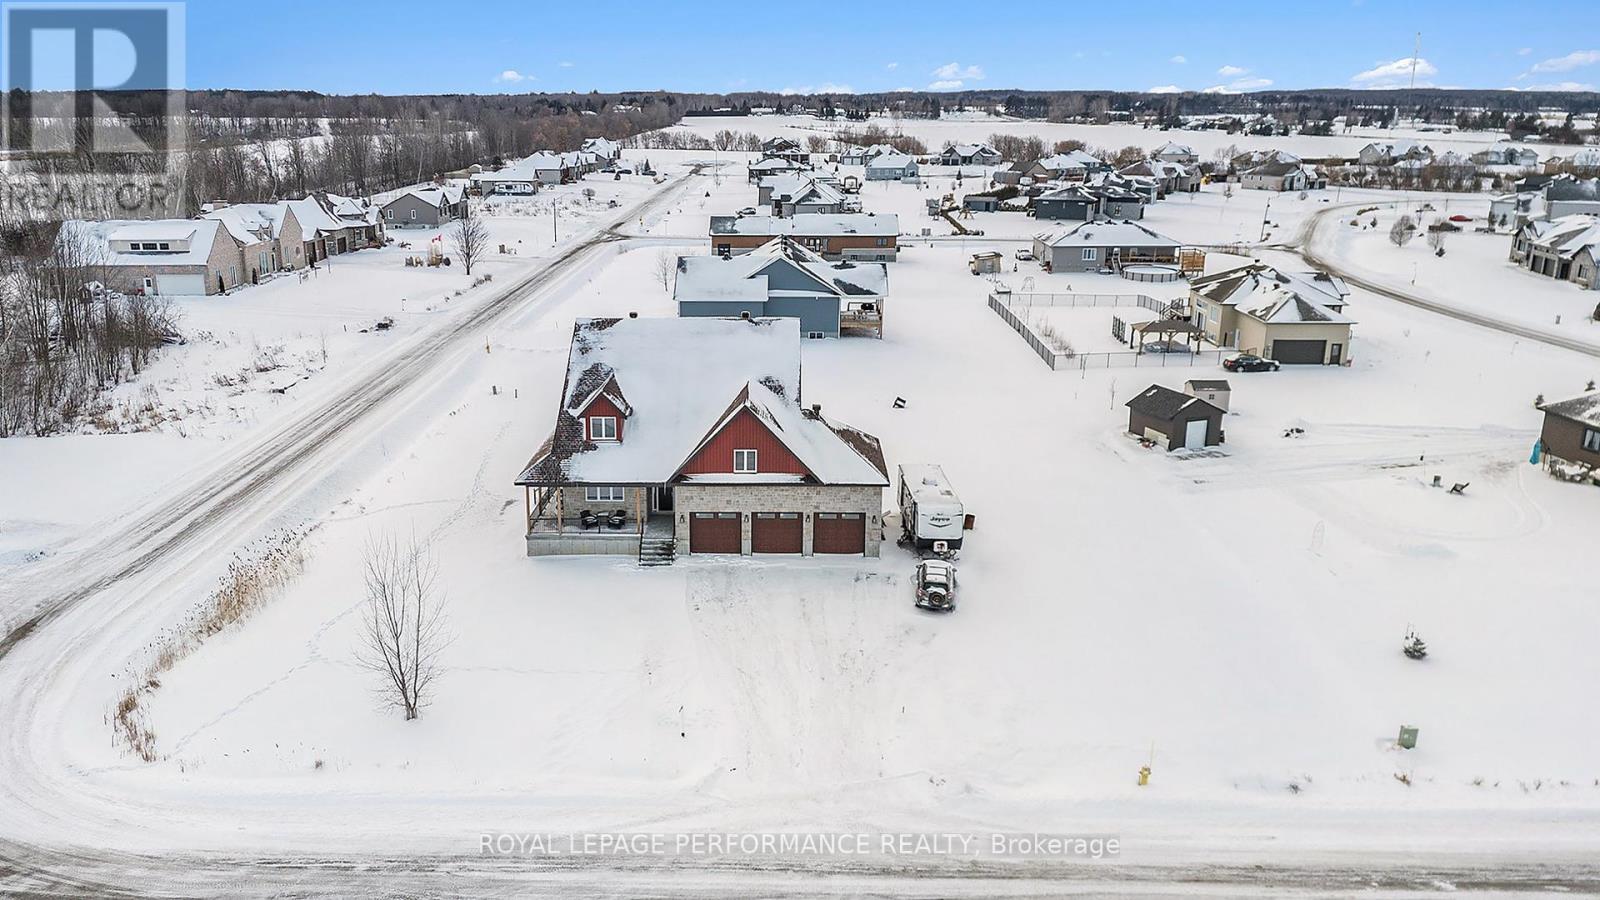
806 499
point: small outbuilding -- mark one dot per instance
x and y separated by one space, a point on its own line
1214 391
986 263
1174 420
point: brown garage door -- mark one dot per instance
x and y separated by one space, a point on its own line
839 533
714 533
777 533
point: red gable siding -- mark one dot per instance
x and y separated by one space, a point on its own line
602 406
744 432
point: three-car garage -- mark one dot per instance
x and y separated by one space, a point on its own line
773 520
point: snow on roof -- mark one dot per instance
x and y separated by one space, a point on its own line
1174 147
198 234
1583 408
436 196
1568 235
808 224
680 376
971 150
930 488
602 147
774 164
747 276
1569 187
250 223
800 188
1107 234
1237 284
893 159
1277 304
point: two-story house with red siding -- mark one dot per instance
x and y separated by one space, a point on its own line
690 435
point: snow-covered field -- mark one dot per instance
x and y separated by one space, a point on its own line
1475 273
936 133
1234 615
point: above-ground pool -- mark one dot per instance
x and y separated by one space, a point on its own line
1149 272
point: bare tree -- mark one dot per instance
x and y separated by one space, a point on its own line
1436 241
470 237
402 629
666 264
1402 231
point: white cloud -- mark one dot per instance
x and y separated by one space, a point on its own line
1577 59
1557 86
1524 51
511 76
948 84
957 72
892 66
826 87
565 64
1395 74
1180 59
1165 89
1251 84
1231 71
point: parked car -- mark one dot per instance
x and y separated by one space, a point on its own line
1025 255
936 585
747 211
1460 218
1249 362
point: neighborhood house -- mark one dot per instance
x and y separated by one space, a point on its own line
863 237
691 436
782 278
1283 316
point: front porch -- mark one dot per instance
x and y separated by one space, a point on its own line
564 521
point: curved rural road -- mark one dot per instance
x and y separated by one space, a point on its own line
1304 246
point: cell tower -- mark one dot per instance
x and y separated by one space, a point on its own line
1416 51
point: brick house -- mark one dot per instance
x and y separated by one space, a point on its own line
162 256
654 458
866 237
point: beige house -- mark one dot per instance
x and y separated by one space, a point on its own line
169 257
1284 316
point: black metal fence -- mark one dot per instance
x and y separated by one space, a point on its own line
1006 305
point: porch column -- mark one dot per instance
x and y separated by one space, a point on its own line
638 506
527 508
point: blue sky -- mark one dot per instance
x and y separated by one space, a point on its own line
399 47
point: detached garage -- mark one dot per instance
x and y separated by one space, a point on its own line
1174 420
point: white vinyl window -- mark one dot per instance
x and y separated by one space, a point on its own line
1591 440
744 462
1089 254
602 428
602 494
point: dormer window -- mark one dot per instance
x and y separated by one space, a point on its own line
744 462
602 428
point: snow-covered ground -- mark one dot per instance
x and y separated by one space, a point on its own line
1475 274
261 352
936 133
1234 615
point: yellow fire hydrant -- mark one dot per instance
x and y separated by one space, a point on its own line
1144 776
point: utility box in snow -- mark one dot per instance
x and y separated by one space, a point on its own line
1408 737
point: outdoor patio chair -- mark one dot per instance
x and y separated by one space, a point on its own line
617 519
587 519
